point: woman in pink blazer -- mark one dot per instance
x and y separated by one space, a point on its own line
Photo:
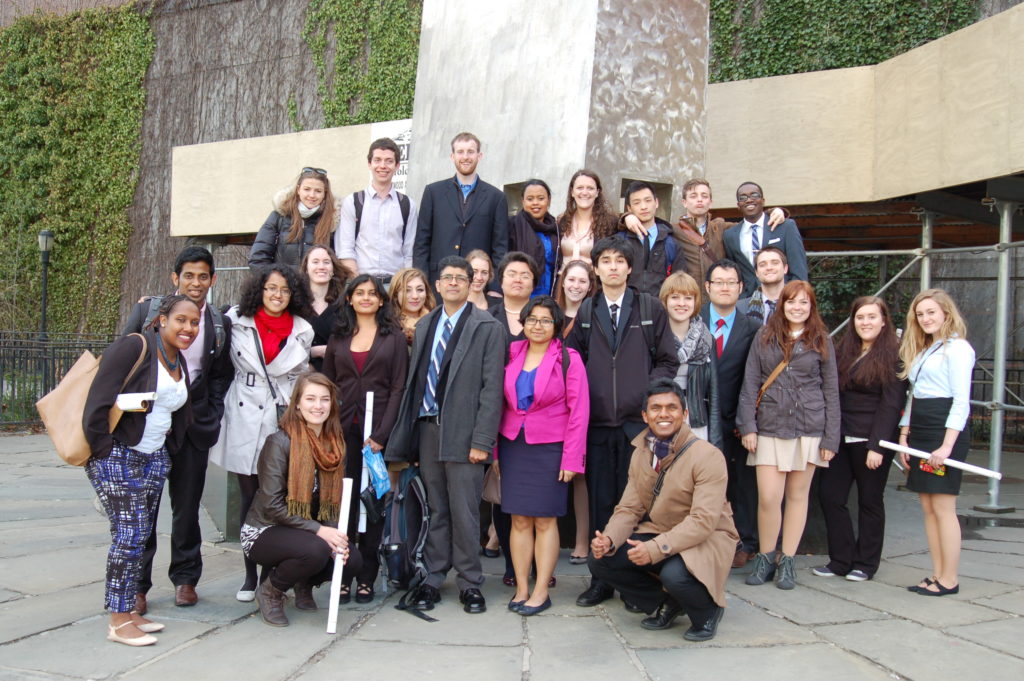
541 445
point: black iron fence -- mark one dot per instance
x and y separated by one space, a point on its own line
31 367
981 390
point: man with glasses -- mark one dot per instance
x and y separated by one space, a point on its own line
744 240
461 213
448 423
733 333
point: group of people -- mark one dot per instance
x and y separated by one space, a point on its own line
675 381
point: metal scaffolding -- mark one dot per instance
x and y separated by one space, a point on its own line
998 406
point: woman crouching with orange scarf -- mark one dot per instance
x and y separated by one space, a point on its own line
292 526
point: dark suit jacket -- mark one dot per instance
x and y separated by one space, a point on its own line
384 374
731 364
469 387
449 225
785 237
207 393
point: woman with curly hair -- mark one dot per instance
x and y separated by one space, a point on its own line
412 298
366 353
270 341
326 276
587 217
304 216
938 361
788 416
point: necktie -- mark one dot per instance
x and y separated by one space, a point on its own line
429 395
614 309
719 337
769 309
755 241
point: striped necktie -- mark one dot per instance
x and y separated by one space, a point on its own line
430 394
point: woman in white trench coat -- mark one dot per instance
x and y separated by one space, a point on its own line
270 343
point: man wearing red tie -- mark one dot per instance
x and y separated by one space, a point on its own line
733 332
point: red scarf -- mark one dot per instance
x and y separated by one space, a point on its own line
273 331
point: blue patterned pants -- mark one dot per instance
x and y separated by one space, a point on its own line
128 484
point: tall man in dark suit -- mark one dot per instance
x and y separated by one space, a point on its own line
210 373
460 214
733 332
743 240
448 420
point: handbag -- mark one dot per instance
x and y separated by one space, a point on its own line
771 379
492 487
281 408
62 410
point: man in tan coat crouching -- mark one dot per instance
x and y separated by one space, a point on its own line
669 544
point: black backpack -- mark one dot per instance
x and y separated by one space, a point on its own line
584 317
405 534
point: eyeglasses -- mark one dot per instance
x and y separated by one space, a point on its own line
318 171
518 276
449 278
539 321
717 283
752 196
273 290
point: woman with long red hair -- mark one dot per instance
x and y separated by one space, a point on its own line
789 420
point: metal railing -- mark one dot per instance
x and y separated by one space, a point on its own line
30 367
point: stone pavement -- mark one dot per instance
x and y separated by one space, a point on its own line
53 544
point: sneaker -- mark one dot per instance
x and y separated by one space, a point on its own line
764 569
822 571
857 576
785 577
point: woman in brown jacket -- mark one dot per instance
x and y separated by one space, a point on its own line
788 416
366 353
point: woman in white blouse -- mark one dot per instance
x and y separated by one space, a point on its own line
938 361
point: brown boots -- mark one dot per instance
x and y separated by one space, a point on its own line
304 597
271 602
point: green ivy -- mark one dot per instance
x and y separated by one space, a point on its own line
365 53
71 105
759 38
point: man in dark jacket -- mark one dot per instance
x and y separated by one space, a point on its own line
656 254
210 372
624 348
460 214
733 332
448 422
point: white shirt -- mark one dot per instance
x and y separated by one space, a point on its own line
170 397
380 248
943 370
746 247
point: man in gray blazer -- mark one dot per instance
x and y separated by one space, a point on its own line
743 240
448 422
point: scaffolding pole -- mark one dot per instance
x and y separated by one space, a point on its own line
927 229
995 445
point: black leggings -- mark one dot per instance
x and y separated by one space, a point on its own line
248 485
368 542
294 556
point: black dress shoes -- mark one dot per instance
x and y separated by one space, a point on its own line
473 601
630 607
597 593
708 630
426 597
663 618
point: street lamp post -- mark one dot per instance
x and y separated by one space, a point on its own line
45 246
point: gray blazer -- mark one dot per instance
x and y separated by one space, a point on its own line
472 399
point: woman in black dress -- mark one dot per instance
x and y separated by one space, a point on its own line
326 276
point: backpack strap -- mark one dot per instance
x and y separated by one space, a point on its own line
404 205
584 317
153 311
357 200
647 324
219 335
670 253
565 366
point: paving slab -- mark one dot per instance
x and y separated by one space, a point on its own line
22 675
361 659
16 540
217 603
6 595
584 648
19 510
84 651
916 652
899 575
805 605
1008 602
80 565
26 616
1002 635
782 663
972 566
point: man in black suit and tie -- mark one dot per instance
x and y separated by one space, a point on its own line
733 332
743 240
210 373
461 214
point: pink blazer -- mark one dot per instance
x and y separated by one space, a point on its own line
560 411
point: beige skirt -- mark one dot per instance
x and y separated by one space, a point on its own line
787 455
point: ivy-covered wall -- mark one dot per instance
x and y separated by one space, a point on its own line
71 101
759 38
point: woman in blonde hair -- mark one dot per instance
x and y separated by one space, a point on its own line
938 361
411 297
303 216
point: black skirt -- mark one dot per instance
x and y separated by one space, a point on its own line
927 431
529 478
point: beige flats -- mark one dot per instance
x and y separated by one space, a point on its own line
145 640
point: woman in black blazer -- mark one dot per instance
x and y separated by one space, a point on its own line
128 465
366 353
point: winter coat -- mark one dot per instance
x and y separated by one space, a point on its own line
271 244
250 413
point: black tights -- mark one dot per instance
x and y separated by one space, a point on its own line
248 485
